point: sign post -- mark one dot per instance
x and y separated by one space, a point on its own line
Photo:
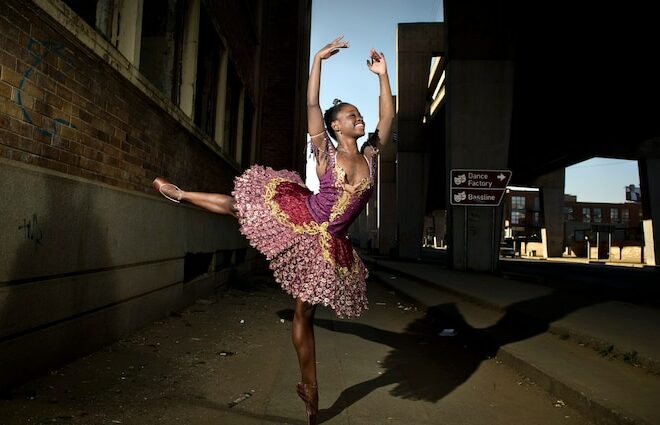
482 188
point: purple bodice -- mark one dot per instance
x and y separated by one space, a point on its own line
335 204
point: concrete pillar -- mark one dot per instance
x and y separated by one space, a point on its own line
128 34
189 58
416 45
552 202
649 173
386 198
479 104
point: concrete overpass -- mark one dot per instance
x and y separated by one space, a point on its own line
507 85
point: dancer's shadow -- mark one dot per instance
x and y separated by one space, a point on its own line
425 366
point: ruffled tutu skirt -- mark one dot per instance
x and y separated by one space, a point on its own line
307 261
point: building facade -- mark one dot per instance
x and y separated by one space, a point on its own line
98 97
595 230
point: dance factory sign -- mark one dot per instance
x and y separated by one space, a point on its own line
478 187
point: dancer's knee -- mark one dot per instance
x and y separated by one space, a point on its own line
304 310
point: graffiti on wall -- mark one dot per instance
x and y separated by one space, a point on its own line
31 230
38 52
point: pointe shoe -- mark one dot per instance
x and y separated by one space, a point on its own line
310 395
167 189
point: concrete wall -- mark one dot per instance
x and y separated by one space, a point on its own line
83 263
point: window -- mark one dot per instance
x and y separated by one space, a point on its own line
568 214
97 13
518 202
625 215
246 144
537 218
517 217
614 215
537 204
206 87
586 215
598 215
161 45
235 93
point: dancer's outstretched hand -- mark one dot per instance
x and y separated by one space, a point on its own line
332 47
376 63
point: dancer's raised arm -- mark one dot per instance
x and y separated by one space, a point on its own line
315 126
378 66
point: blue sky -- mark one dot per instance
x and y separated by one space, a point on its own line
601 179
368 23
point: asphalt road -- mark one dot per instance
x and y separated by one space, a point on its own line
228 359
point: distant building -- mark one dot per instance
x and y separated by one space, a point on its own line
597 222
633 193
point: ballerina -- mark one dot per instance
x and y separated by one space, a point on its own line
304 235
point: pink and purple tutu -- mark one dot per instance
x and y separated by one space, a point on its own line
311 259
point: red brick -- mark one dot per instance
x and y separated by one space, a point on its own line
69 133
26 100
88 164
21 143
51 152
43 135
19 51
10 108
5 90
69 158
46 83
85 116
30 88
88 174
61 142
18 20
54 73
82 79
92 154
19 127
64 92
70 108
6 59
10 76
76 148
52 165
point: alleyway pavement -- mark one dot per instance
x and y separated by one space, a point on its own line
228 359
594 343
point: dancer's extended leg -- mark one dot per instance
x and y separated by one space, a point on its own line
303 340
215 202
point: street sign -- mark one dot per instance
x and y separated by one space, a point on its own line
478 187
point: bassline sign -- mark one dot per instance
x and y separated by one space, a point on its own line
475 187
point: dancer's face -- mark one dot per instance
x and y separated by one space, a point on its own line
349 122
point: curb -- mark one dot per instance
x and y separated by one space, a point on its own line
598 411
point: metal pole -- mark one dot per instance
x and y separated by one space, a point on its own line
494 255
465 247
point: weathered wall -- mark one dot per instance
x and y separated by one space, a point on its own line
88 251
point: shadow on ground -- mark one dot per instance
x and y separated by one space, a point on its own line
422 365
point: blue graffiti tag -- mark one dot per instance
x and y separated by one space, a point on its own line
37 58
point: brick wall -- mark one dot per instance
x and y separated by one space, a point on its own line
63 108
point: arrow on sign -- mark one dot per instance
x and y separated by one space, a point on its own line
501 177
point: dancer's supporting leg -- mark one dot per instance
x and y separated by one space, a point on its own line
303 340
